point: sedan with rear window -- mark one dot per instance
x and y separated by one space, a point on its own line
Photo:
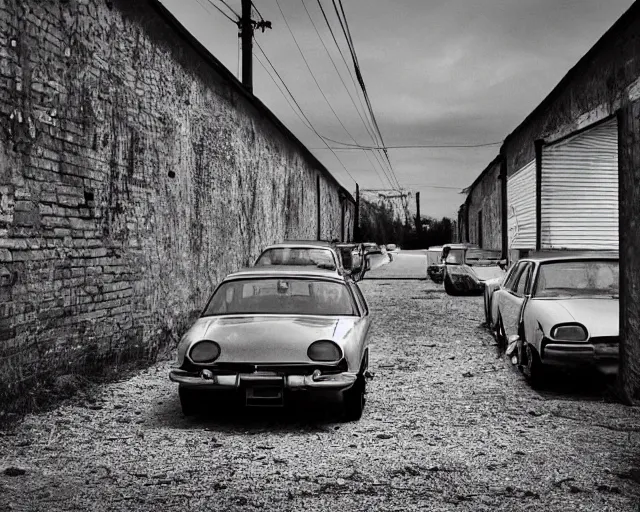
271 335
560 310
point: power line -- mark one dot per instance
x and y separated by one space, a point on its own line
349 93
257 11
301 111
230 8
315 79
347 34
353 147
210 2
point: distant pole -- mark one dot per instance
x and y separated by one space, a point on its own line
319 210
418 221
356 222
246 27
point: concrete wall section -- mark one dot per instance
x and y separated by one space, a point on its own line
134 174
485 202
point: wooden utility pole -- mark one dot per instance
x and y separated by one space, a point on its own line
356 221
418 219
319 209
246 33
247 27
629 201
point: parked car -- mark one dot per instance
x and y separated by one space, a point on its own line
435 266
269 335
391 247
319 254
371 248
466 269
560 310
353 259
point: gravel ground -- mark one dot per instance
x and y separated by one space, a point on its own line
447 426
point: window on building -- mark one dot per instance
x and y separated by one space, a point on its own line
479 237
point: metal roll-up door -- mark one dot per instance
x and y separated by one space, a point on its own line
579 190
521 208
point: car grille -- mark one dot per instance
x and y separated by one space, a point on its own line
605 339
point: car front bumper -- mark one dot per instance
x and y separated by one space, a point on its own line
603 356
317 381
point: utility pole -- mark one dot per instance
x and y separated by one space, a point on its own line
356 222
418 219
247 27
246 33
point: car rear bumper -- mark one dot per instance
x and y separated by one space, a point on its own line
316 382
603 356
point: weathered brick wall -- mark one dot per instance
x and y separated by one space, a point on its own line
590 92
486 200
133 176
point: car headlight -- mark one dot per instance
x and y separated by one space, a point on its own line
569 332
324 351
204 352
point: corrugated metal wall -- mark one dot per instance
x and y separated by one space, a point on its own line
521 208
579 196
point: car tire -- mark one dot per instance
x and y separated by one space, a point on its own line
449 288
354 400
532 368
501 336
189 401
487 308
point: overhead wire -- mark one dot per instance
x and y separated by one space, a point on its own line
229 7
348 92
257 11
315 79
350 147
210 2
310 124
347 33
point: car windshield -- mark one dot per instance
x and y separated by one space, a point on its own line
455 257
482 257
322 258
578 278
285 296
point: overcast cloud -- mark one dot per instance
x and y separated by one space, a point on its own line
437 72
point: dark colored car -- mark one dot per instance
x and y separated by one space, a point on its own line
467 269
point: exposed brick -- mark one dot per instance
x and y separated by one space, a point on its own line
104 244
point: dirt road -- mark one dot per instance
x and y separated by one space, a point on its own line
447 426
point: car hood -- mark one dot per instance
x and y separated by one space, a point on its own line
485 273
599 315
266 338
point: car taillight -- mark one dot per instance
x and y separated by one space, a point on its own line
324 351
204 352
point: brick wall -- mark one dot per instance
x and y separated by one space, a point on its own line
134 174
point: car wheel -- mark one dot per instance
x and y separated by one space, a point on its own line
189 401
532 368
487 309
354 400
449 288
501 335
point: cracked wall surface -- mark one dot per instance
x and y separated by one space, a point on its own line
134 175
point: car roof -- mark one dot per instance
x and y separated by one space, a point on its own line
571 255
462 246
286 270
316 243
435 248
301 245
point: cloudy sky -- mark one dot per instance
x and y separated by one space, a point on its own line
438 72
